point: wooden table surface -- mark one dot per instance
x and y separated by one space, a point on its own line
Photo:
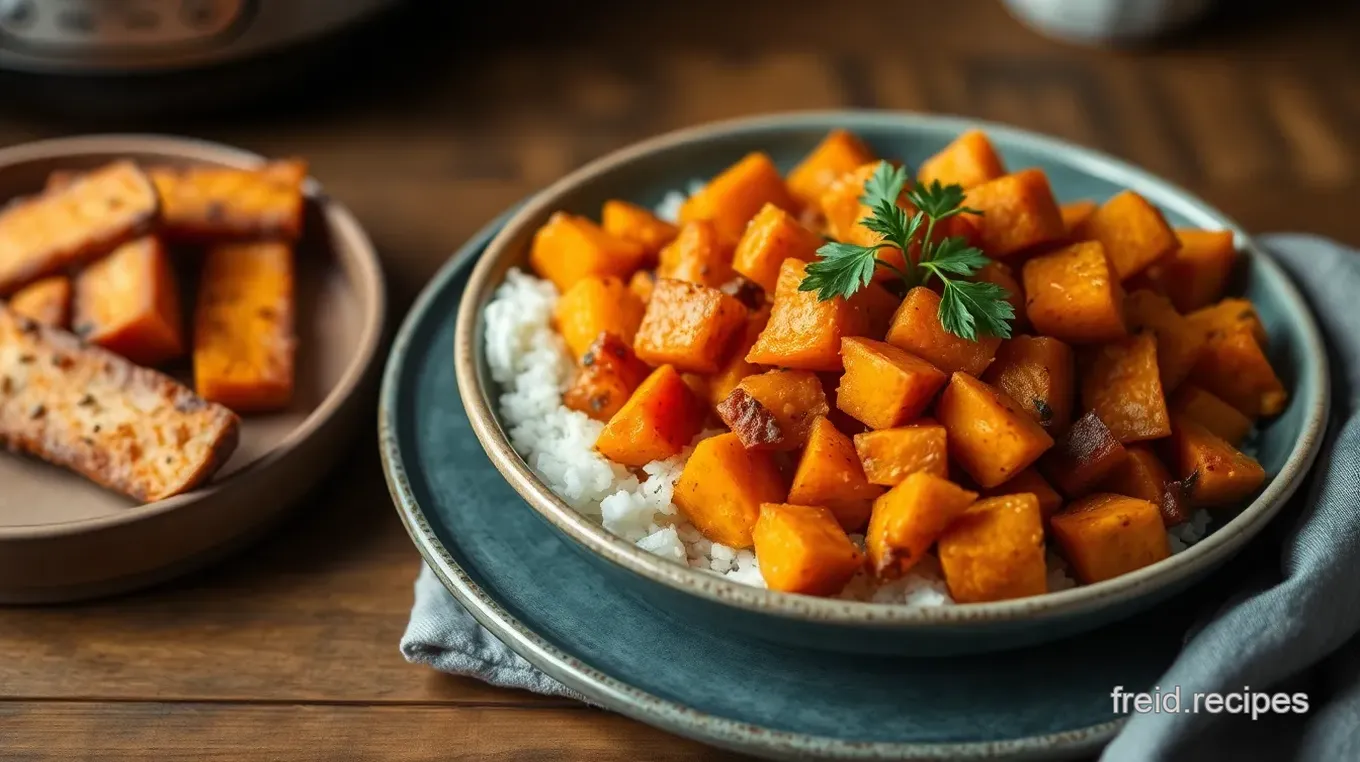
289 650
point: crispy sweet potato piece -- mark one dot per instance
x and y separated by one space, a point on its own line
1076 213
802 549
829 474
1142 475
1214 472
969 161
1083 456
609 375
1133 232
204 203
732 198
1179 341
688 326
805 332
793 399
597 304
641 284
908 519
1037 372
885 386
48 301
75 224
916 328
722 487
128 303
751 421
773 236
244 339
1019 213
656 423
1105 536
1225 421
697 255
631 222
1196 274
990 436
1029 481
995 551
569 248
1002 275
1073 295
1233 366
1123 386
891 455
1228 315
839 152
735 367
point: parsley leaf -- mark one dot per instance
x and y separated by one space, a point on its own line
953 255
967 308
843 269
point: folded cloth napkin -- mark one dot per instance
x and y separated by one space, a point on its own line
1293 630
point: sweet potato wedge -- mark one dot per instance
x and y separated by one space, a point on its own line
1179 341
1038 372
631 222
773 236
594 305
829 474
805 332
1072 294
802 549
697 255
1142 475
994 551
722 487
1132 231
1083 456
990 436
908 519
968 161
1019 213
609 375
1225 421
204 203
839 152
47 301
885 386
688 326
732 198
1105 536
128 302
1121 383
568 248
1213 472
891 455
657 422
916 328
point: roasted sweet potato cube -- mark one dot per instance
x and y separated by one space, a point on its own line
878 305
658 421
773 236
688 326
722 487
47 301
1018 213
1105 536
1233 367
1038 372
1179 341
1229 315
1142 475
891 455
1196 274
204 203
697 255
805 332
1122 384
1133 232
1225 421
1075 214
842 208
802 549
994 551
829 474
609 375
569 248
1072 294
908 519
128 302
1213 472
1083 456
774 410
839 152
734 367
885 386
732 198
631 222
1002 275
968 161
641 284
916 328
1029 481
597 304
990 436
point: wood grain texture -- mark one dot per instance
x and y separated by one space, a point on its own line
430 129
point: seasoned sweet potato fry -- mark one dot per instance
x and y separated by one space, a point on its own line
1213 472
610 373
805 332
1072 294
839 152
969 161
773 236
697 255
1122 384
885 386
75 224
732 198
829 474
1142 475
1083 456
128 302
1038 372
916 328
803 550
1019 213
891 455
1179 341
1104 536
994 551
688 326
775 410
1196 274
203 203
597 304
1225 421
723 486
1029 481
908 519
569 248
1133 232
47 301
631 222
656 423
244 339
990 436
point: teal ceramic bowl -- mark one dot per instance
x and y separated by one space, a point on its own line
644 173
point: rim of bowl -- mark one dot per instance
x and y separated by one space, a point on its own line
1201 556
371 286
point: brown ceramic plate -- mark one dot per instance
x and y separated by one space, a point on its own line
63 538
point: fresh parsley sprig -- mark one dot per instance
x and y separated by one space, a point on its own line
967 308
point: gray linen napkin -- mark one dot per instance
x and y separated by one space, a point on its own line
1293 629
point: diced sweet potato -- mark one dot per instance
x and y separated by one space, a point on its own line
1196 274
916 328
1229 315
803 550
1018 213
1075 214
1133 232
773 236
128 302
990 436
697 255
995 551
610 373
735 367
968 161
891 455
597 304
244 338
839 152
1073 295
1225 421
1105 536
722 487
203 203
1038 373
1122 384
631 222
657 422
641 284
829 474
1083 456
1213 472
842 208
1002 275
878 305
1179 341
1029 481
1233 367
805 332
688 326
47 301
732 198
774 410
885 386
569 248
908 519
1142 475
